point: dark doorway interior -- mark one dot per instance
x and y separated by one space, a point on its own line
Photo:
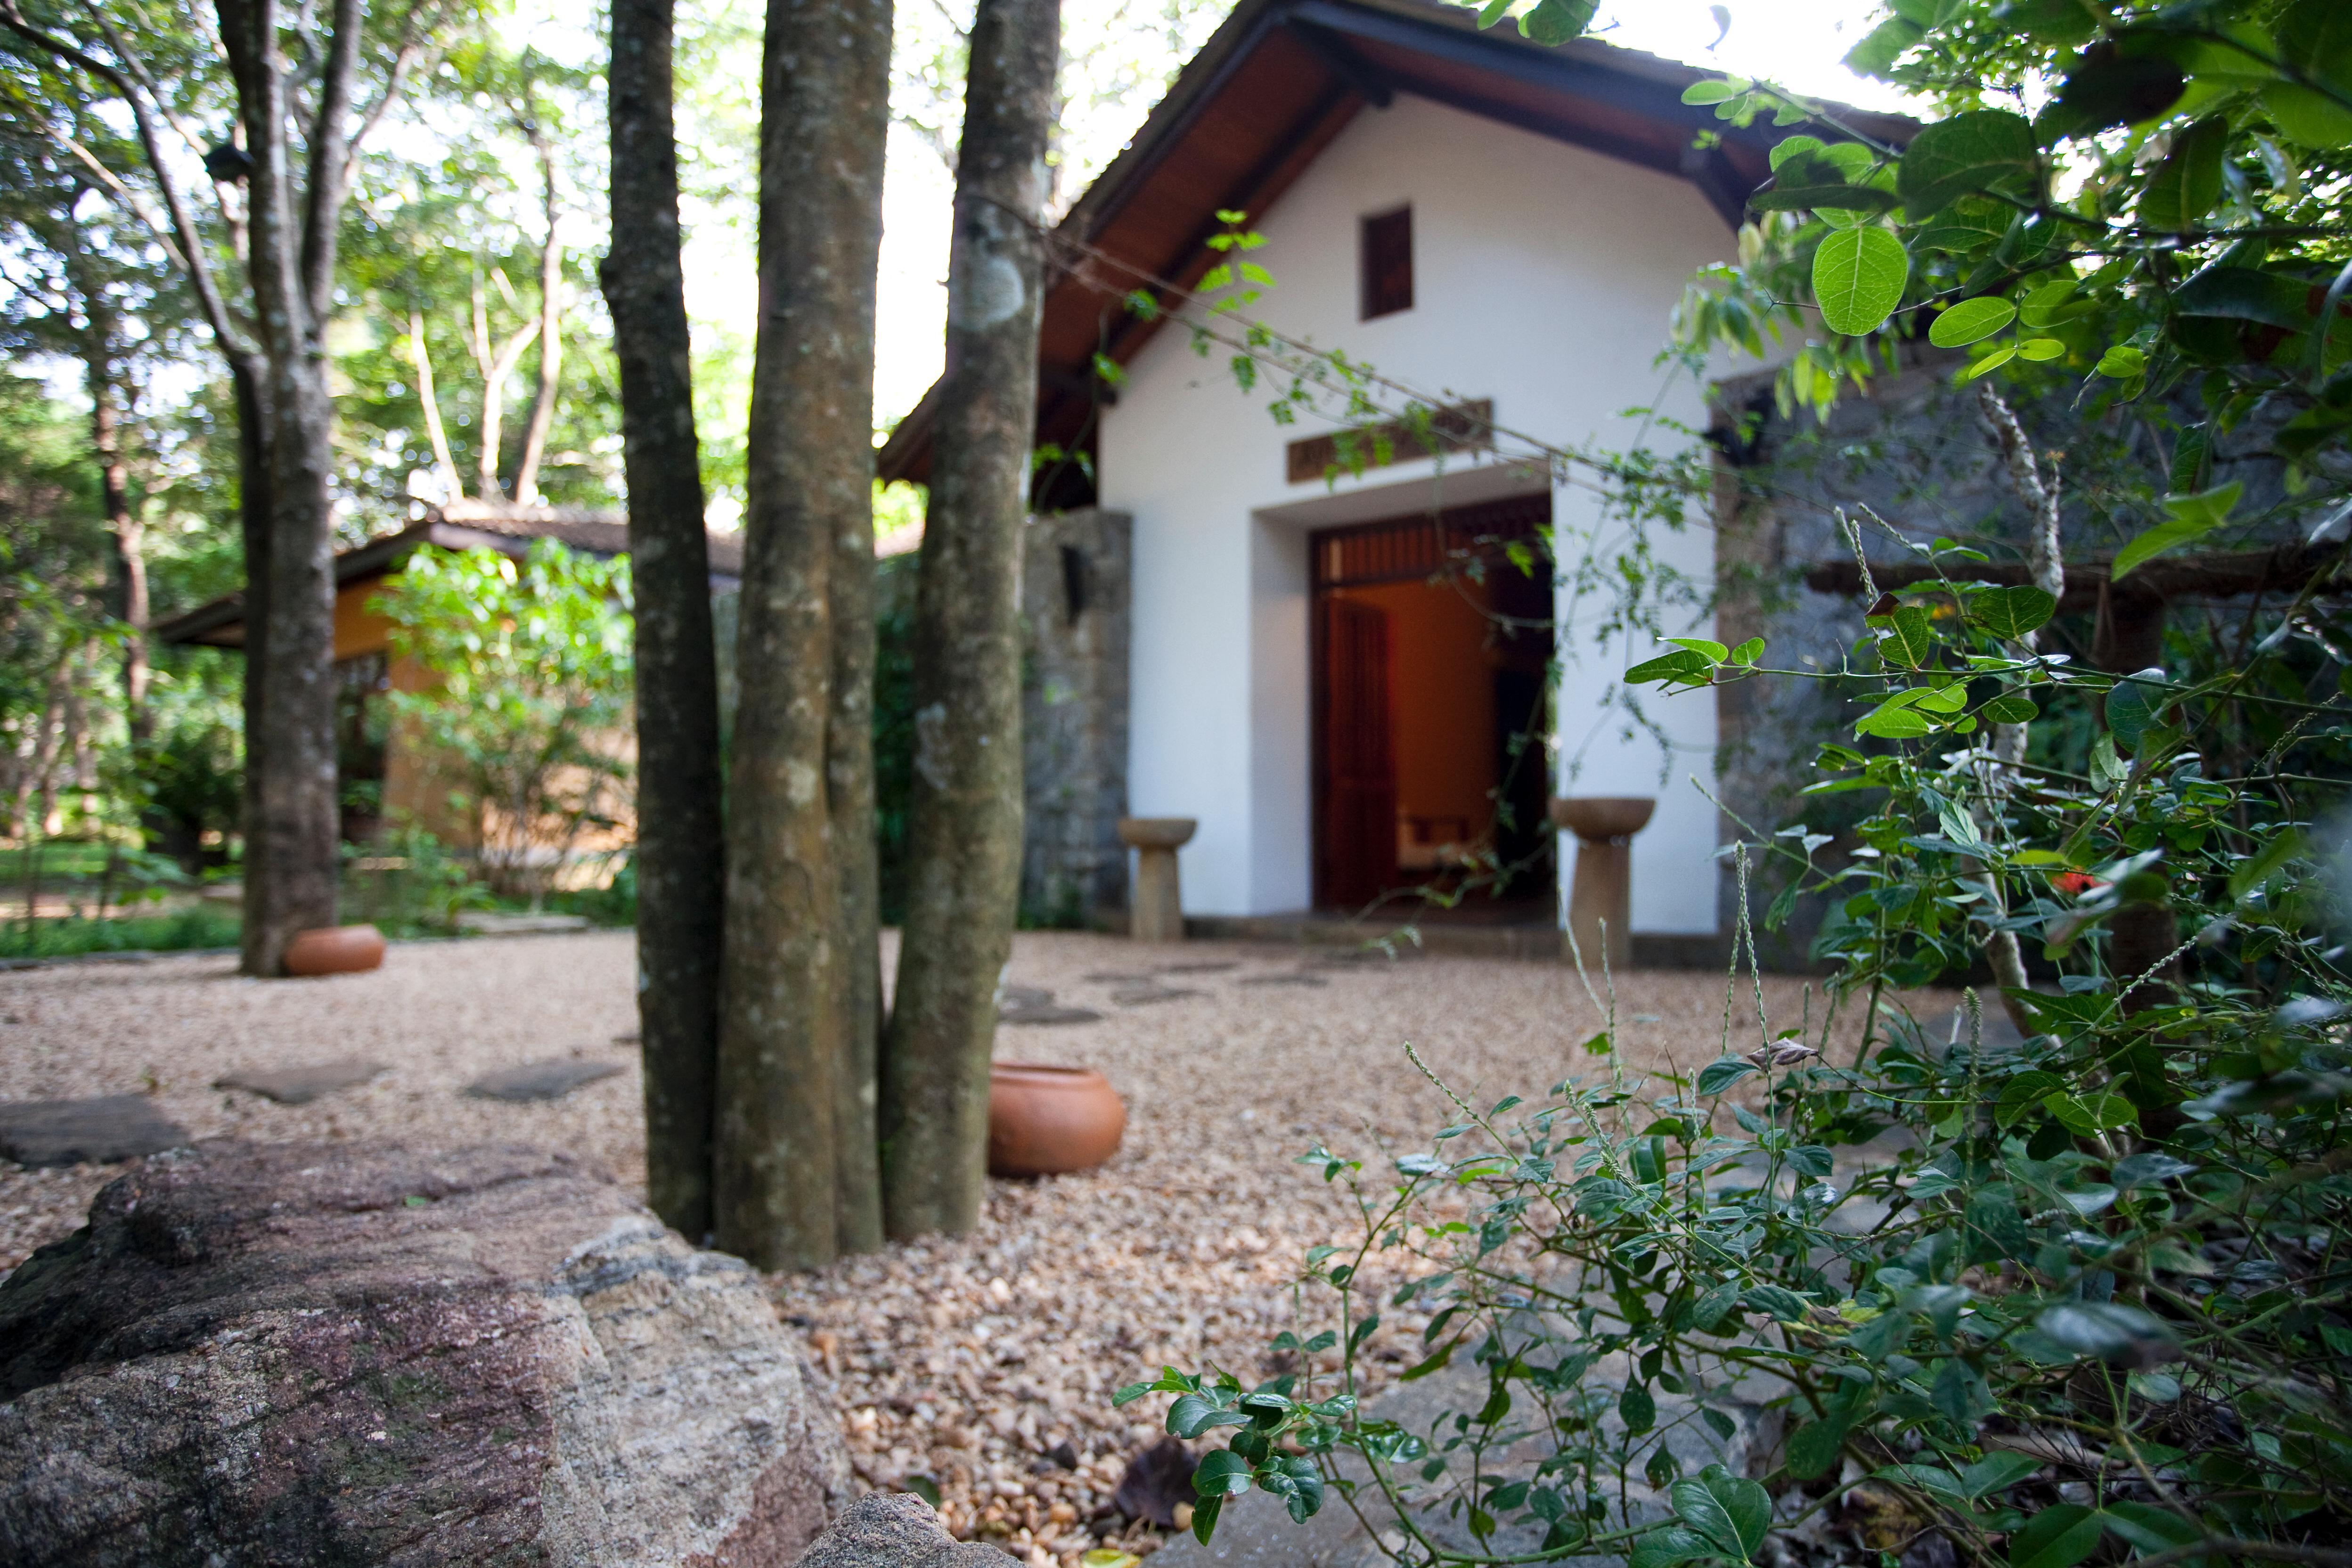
1431 646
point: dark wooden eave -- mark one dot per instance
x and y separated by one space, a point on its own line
511 530
1265 96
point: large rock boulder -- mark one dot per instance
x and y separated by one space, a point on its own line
359 1355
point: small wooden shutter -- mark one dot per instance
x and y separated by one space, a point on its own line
1356 862
1388 263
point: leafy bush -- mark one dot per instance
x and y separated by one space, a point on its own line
203 926
530 704
2083 1295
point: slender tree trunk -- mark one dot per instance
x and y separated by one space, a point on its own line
857 1199
784 1033
551 312
680 855
99 361
250 380
964 827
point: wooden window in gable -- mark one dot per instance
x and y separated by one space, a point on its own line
1386 243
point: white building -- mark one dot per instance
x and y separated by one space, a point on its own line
1501 225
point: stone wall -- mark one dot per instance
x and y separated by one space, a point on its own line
1909 462
1076 581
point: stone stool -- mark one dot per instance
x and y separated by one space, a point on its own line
1156 909
1602 890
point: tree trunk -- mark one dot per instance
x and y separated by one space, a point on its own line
114 490
681 852
784 1031
249 381
857 1197
964 825
290 830
550 296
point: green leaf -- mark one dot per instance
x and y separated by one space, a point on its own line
1683 668
1858 278
1896 720
2149 1528
2058 1537
1204 1517
1668 1547
1697 1506
1557 21
1222 1473
2108 1330
1908 637
1996 1473
2247 294
1714 91
2123 361
2134 707
2251 875
1988 362
2184 187
2038 351
1814 1447
2009 709
2193 516
1722 1073
1749 1505
1638 1408
1981 150
2307 117
1886 43
1838 196
2009 614
1970 320
1434 1363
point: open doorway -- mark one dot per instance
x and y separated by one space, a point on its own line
1431 645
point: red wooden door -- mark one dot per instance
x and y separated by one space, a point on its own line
1355 859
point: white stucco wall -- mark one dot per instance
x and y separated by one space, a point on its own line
1543 278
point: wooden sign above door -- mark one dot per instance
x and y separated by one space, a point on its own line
1457 428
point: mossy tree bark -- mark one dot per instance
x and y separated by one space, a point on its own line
787 1045
680 853
291 837
964 826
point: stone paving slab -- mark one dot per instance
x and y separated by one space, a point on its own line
540 1080
301 1086
85 1132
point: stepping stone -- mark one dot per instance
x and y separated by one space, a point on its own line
1012 996
85 1132
490 923
540 1080
1048 1015
1137 996
1282 980
301 1086
1206 966
1123 978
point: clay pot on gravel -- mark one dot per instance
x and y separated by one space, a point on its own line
334 949
1044 1121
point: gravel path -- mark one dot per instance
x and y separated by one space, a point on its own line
968 1361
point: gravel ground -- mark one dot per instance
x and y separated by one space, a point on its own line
971 1360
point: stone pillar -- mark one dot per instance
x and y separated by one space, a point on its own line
1156 910
1074 576
1603 890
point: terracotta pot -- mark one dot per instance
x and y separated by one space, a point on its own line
1044 1121
334 949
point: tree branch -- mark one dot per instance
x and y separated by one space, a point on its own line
191 248
412 36
331 158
